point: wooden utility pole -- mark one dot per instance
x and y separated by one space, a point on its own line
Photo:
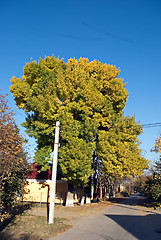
54 172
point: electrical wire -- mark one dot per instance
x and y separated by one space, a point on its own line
150 125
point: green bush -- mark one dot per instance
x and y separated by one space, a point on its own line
153 188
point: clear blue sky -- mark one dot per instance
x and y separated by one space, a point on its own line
119 32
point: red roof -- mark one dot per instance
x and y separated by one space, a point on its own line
34 174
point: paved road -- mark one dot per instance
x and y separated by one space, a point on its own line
123 221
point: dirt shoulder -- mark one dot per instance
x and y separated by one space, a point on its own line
31 223
71 213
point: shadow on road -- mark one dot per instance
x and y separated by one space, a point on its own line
136 209
141 227
145 226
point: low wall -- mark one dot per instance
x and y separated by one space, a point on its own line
39 191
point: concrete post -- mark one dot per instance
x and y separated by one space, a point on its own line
54 172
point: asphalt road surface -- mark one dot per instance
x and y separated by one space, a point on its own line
123 221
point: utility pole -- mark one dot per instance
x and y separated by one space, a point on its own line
54 172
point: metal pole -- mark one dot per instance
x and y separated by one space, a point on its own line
54 172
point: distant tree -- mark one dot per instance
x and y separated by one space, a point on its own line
153 185
140 182
88 99
13 162
157 147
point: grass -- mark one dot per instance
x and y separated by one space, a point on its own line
29 222
28 227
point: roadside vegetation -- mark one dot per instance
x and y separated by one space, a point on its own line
30 227
150 186
13 159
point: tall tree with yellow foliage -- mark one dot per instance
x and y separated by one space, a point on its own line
88 99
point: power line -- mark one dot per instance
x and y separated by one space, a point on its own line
149 125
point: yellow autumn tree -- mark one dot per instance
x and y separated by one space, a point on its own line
87 98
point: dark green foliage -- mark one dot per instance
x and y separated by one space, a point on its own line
153 188
12 186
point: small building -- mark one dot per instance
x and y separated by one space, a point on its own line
38 185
